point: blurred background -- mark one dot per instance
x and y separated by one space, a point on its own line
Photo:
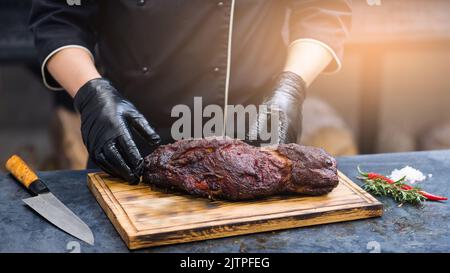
392 95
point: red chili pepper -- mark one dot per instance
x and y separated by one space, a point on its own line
433 197
387 180
379 176
427 195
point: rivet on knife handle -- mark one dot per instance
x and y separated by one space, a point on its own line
25 175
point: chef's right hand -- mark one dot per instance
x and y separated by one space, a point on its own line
106 121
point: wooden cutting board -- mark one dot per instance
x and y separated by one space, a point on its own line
145 217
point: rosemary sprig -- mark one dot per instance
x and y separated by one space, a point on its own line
380 187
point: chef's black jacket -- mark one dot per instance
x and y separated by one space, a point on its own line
160 53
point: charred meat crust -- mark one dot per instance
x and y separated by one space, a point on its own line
230 169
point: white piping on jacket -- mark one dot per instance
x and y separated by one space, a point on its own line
228 75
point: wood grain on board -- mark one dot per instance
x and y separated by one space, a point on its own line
147 217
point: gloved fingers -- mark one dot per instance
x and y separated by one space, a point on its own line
283 128
129 151
101 161
293 132
261 124
140 124
252 134
115 159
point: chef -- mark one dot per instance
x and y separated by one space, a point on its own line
127 63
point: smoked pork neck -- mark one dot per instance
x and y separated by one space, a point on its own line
226 168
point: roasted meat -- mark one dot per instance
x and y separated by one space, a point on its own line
226 168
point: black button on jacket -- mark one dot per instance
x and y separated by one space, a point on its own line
161 53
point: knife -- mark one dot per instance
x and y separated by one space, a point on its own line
46 204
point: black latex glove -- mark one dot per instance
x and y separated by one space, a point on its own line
106 121
286 101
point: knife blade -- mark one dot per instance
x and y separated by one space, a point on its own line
46 204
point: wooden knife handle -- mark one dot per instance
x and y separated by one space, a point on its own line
25 175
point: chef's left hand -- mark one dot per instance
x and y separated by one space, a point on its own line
286 101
